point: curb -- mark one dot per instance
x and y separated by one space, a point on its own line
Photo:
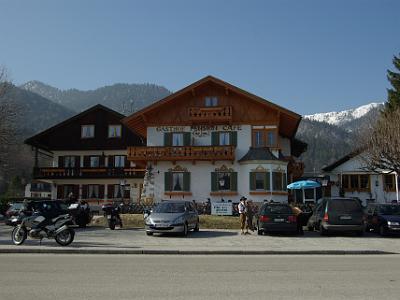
191 252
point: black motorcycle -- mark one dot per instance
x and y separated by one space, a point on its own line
38 227
111 212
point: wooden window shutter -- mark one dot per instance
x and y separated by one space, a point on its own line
60 191
86 161
167 139
168 181
75 190
61 161
110 161
110 191
215 138
233 138
267 184
284 187
84 191
127 192
77 161
214 181
101 191
102 161
186 139
233 181
186 181
252 181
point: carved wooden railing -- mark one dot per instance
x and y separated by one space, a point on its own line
52 173
209 153
210 114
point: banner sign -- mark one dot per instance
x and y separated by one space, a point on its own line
221 208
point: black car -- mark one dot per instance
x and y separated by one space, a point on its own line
383 218
337 215
276 217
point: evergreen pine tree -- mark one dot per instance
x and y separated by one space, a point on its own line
393 100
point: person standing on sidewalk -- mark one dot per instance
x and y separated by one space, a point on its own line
249 216
242 214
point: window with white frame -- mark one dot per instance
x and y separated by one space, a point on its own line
69 161
177 139
224 138
94 161
87 131
211 101
114 131
119 161
93 191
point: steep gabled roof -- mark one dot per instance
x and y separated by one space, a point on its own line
342 160
256 153
37 140
137 121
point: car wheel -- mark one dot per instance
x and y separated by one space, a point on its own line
360 233
149 233
382 230
197 228
323 231
185 230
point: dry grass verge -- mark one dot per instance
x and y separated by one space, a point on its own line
206 221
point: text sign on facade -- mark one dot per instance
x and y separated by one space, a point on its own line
221 209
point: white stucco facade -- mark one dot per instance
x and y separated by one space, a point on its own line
377 191
200 171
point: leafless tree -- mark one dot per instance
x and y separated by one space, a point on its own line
8 118
381 144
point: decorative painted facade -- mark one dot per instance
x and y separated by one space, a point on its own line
212 140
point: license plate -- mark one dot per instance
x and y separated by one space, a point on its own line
161 225
279 220
109 217
345 217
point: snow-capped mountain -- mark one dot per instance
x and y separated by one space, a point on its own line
342 117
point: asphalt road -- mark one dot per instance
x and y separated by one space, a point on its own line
198 277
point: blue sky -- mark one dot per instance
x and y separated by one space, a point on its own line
308 56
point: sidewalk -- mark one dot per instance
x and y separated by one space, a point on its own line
134 241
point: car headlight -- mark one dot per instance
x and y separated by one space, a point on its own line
392 223
179 220
148 221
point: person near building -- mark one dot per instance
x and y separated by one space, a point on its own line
249 216
242 214
299 216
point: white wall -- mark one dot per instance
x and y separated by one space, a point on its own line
355 166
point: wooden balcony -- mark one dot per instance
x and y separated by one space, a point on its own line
194 153
212 114
64 173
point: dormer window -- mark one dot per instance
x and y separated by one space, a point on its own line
114 131
211 101
87 131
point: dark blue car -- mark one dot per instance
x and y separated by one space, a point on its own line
383 218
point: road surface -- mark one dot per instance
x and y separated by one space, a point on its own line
39 276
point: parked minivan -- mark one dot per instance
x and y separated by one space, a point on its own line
337 215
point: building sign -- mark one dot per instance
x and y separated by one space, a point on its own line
199 130
221 208
202 130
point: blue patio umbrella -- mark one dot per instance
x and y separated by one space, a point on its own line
303 184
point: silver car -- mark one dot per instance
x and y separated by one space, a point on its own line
172 216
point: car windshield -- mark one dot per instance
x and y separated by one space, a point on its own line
389 209
16 205
277 209
345 206
169 208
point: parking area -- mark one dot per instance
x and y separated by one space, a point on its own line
210 240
